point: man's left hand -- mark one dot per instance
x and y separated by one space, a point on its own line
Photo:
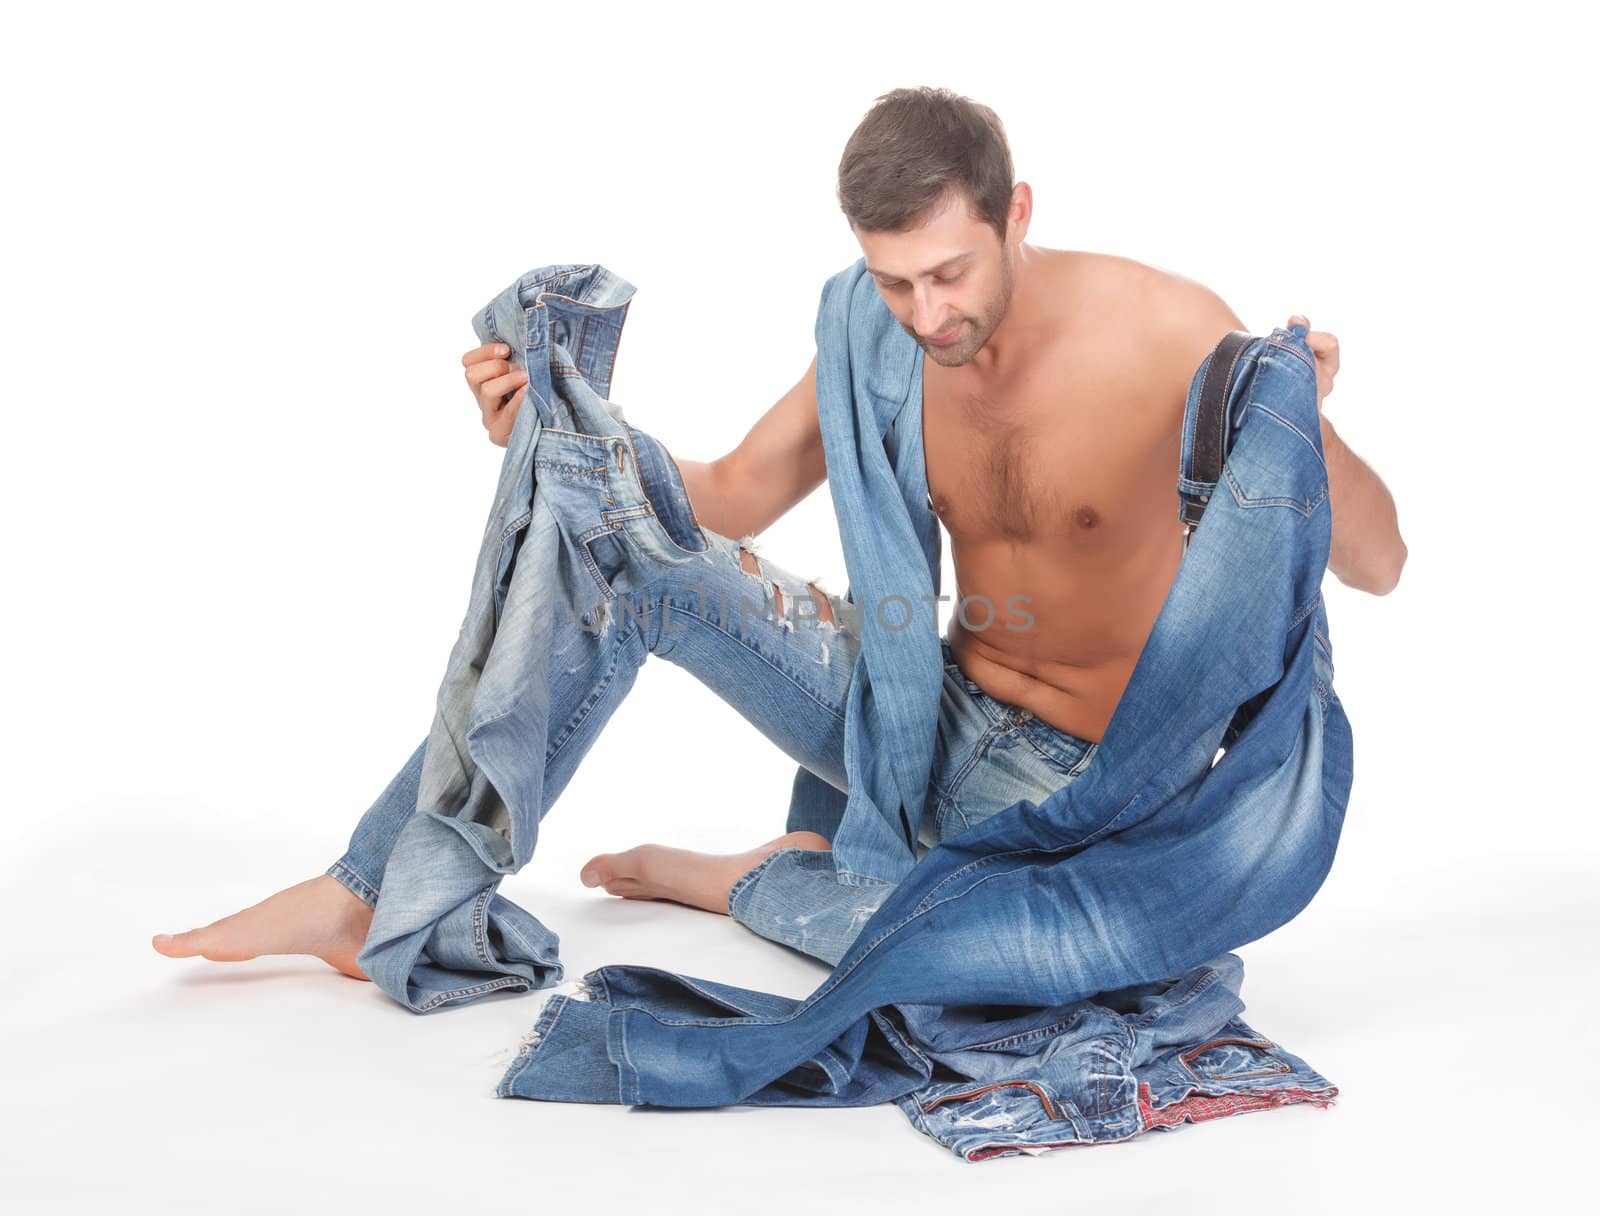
1326 348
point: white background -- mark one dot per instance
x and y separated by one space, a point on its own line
244 483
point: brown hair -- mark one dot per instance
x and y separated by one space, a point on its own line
912 148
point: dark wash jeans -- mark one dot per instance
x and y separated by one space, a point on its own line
986 1081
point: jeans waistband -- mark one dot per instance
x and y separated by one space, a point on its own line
1062 746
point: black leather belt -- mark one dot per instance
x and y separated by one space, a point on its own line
1212 434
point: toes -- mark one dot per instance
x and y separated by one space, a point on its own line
603 869
631 888
219 948
175 945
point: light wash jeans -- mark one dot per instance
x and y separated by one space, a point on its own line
592 561
788 673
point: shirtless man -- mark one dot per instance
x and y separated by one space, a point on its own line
1054 392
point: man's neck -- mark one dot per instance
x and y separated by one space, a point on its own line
1016 341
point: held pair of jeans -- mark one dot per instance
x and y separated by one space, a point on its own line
591 562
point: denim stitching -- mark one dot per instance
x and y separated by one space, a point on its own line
1304 438
456 994
1276 500
750 876
607 591
1035 1087
599 471
1168 1004
351 880
1072 768
1187 1060
480 908
584 436
980 749
1301 613
628 1076
662 534
1295 351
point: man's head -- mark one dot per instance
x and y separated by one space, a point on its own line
925 182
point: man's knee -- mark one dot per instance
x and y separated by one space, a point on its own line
750 564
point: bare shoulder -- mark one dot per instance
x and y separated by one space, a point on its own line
1146 322
1137 294
1186 319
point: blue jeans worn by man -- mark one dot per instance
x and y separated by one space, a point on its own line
1037 917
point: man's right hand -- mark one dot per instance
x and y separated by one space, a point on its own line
499 387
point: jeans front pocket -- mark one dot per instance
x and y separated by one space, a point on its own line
604 554
1232 1058
1068 754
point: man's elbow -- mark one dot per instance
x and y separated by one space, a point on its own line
1386 578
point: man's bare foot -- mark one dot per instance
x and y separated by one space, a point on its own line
320 916
701 880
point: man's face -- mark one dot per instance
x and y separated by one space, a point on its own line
951 277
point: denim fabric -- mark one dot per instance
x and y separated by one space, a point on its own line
988 755
1159 857
1145 1058
591 561
1072 871
572 527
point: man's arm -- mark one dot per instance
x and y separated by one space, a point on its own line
777 464
1366 550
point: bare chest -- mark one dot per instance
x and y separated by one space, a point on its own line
1073 458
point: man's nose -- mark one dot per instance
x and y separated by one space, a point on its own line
928 320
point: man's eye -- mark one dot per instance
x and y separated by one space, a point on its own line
889 286
955 278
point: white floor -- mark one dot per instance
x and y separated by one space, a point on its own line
138 1083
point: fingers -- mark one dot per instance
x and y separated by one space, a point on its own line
489 350
489 369
1324 344
499 387
500 421
490 379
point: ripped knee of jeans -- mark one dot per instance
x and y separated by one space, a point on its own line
785 610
